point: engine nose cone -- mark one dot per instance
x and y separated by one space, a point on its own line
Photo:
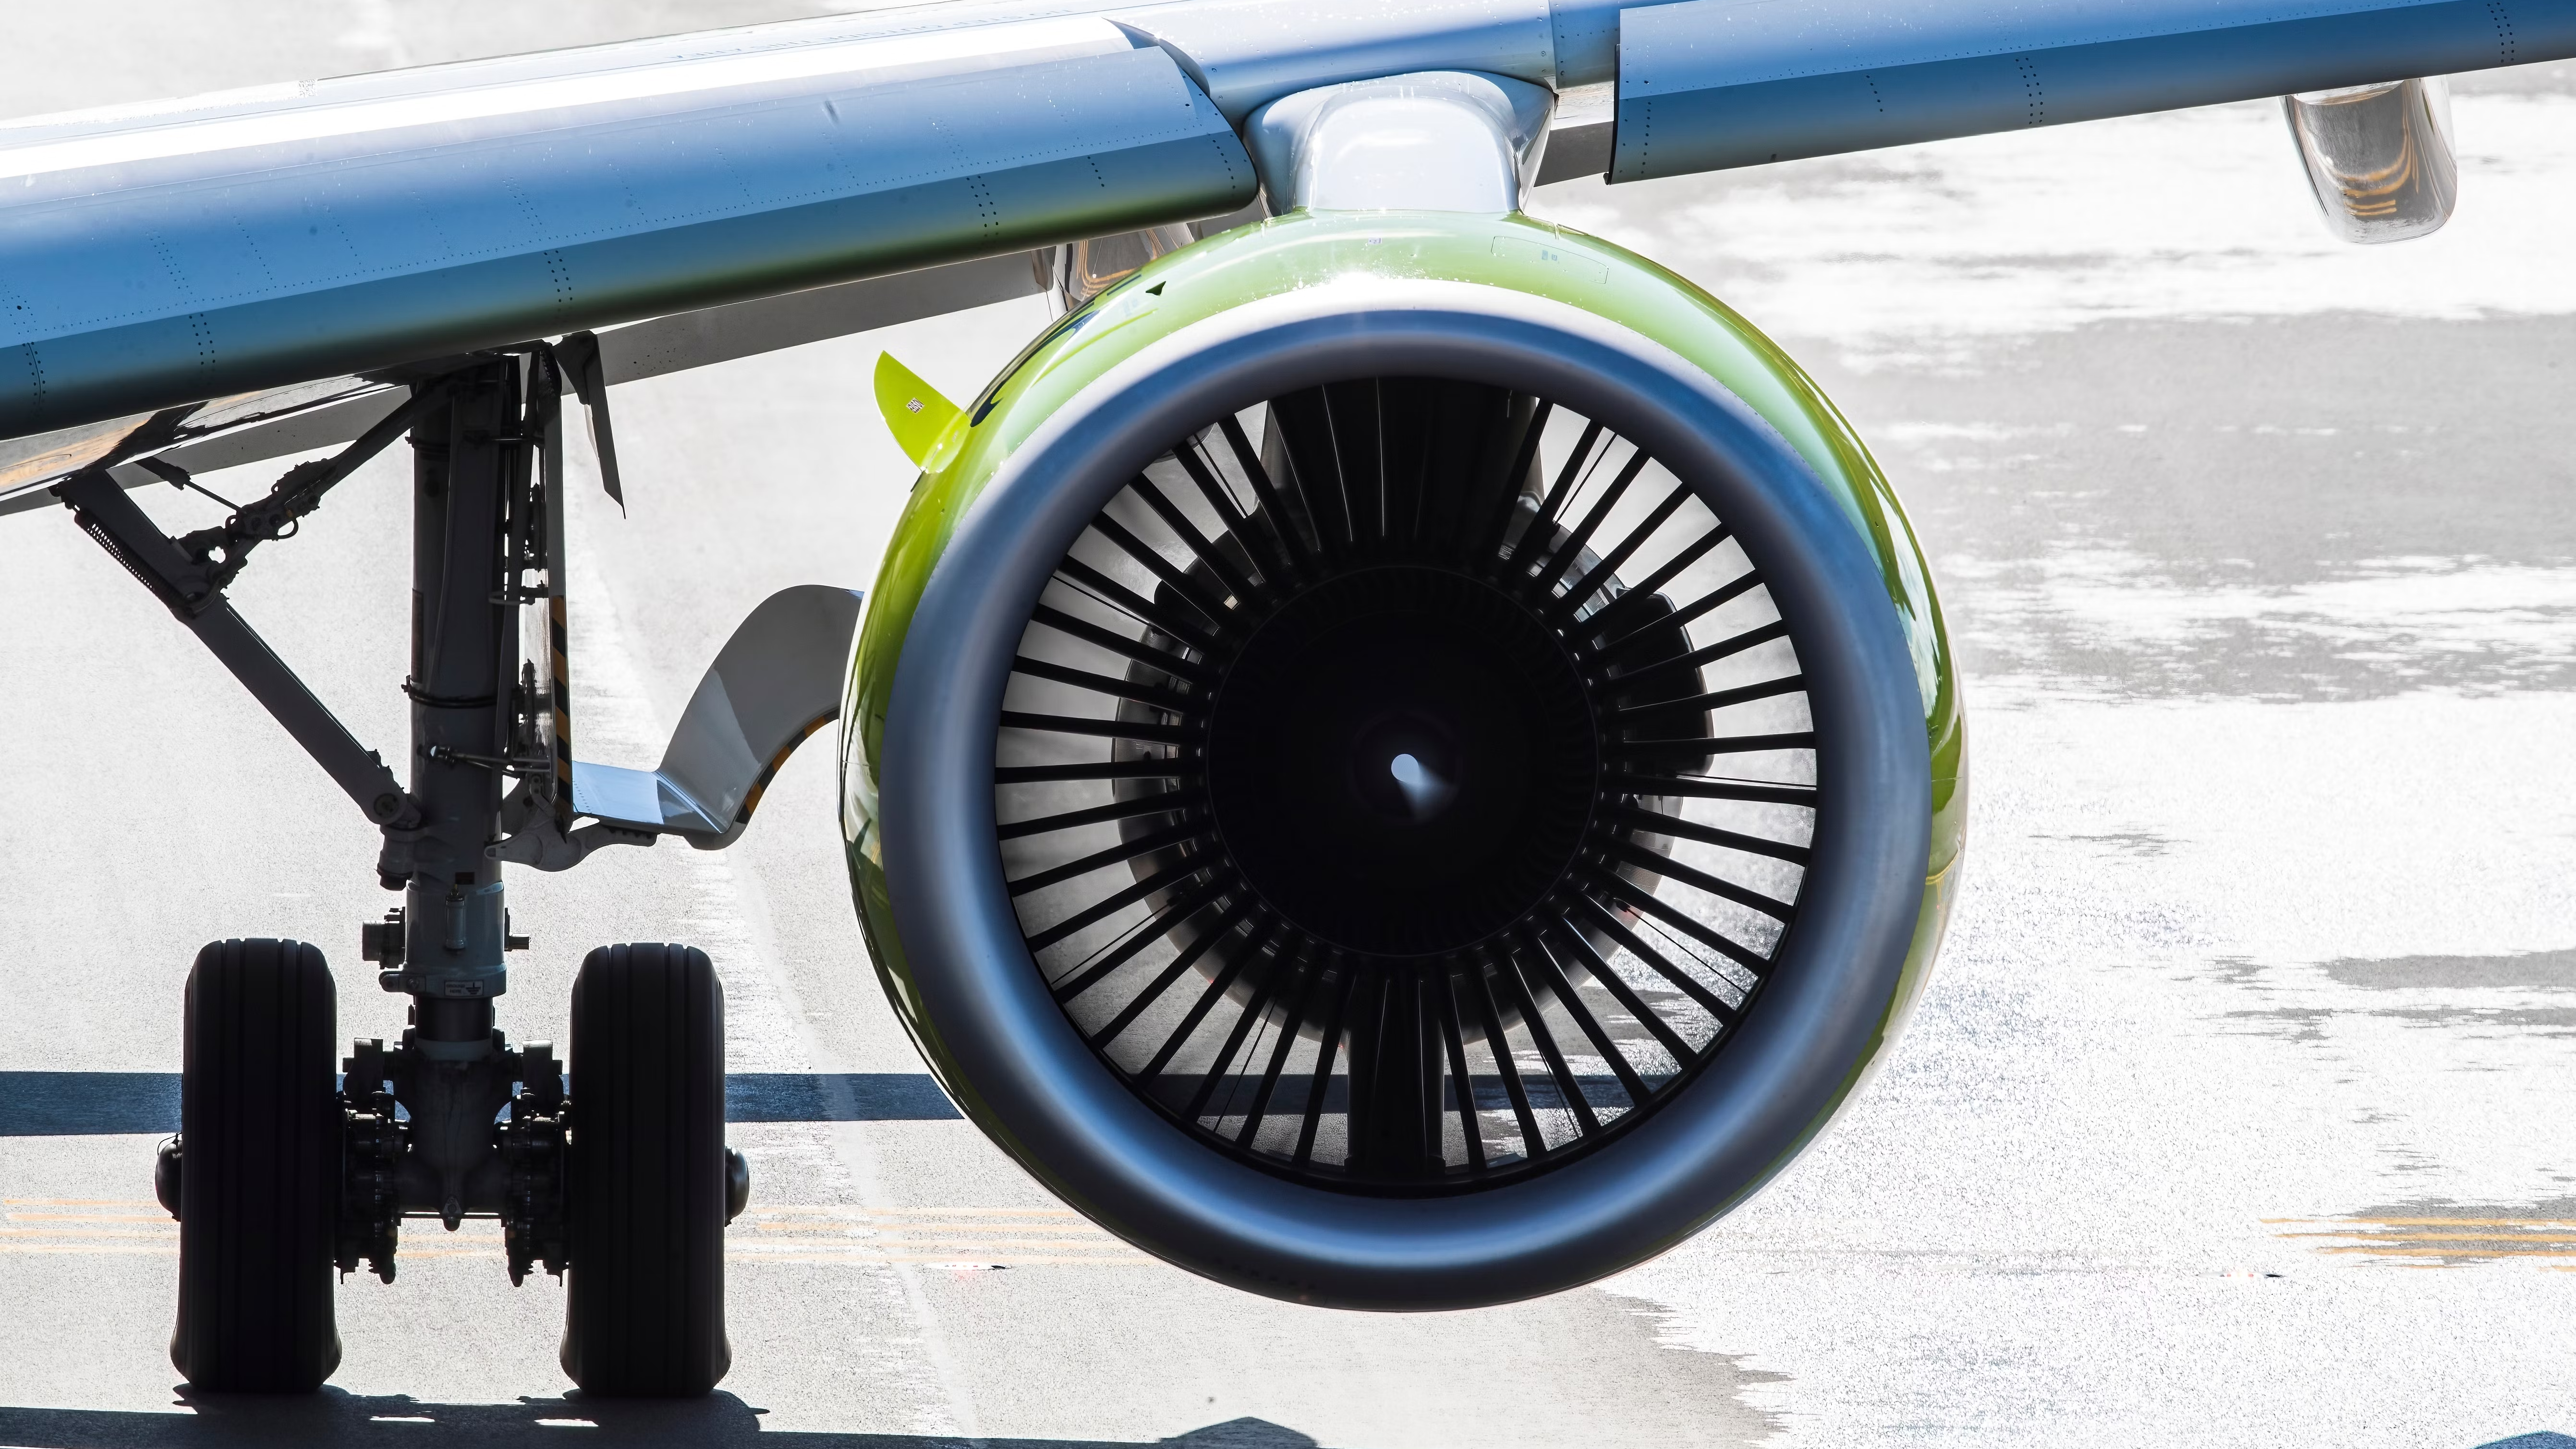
1402 760
1426 792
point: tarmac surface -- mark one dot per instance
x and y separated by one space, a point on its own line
2241 1110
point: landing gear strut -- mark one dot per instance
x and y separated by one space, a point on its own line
279 1176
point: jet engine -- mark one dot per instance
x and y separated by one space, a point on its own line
1402 760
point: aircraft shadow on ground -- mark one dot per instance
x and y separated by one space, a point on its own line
350 1421
92 1104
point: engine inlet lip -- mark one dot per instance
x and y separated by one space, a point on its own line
997 1036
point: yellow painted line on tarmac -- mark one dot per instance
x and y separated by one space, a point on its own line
807 1256
2448 1237
113 1250
2454 1252
132 1202
961 1242
1137 1261
2457 1240
923 1213
2440 1222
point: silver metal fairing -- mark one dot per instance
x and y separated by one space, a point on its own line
1432 141
995 1028
2378 157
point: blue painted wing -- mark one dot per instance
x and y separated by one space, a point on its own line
1709 84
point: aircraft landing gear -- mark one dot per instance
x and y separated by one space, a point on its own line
279 1175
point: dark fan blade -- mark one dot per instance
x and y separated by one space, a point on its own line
1553 980
1654 628
1704 745
1325 1051
1116 643
1260 544
1255 941
1254 1013
1758 791
1553 564
1175 579
1289 1027
1119 854
1102 910
1169 802
1114 729
1608 567
1110 685
1453 1037
1721 698
1181 963
1395 1080
1648 590
1508 971
1662 824
1662 965
1567 478
1646 902
1533 1144
1274 513
1305 427
1108 770
1083 578
1638 898
1683 1053
1707 654
1197 543
1092 974
1504 491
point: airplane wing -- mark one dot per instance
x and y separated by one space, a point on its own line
321 236
1717 83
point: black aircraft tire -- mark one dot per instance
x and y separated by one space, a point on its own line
646 1175
260 1153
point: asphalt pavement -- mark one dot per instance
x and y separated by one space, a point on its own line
2237 1113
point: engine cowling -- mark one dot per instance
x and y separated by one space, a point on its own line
1402 761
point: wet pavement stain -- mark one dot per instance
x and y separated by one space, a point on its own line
2309 1023
2520 971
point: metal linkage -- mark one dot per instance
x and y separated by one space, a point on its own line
221 551
187 585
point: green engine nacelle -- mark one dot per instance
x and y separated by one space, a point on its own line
1402 760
